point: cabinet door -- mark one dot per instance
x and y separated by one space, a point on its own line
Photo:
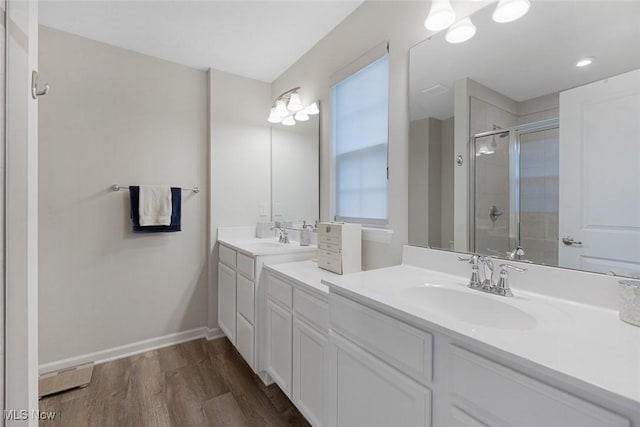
310 350
279 345
365 391
227 301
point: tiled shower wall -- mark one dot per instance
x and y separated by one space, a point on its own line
539 196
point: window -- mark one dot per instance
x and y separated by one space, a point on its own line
360 123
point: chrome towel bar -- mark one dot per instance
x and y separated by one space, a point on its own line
116 187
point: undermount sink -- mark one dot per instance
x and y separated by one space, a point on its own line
268 244
470 306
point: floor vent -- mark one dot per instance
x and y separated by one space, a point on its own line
65 379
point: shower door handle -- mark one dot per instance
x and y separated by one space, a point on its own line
569 241
35 92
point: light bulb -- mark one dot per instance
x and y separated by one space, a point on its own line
461 31
510 10
312 109
281 108
302 116
294 102
441 15
274 117
289 121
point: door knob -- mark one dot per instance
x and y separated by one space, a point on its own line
568 240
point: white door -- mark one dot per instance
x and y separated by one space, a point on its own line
310 372
279 345
599 203
21 214
227 301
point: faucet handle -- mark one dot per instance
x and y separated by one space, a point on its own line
473 259
502 287
504 267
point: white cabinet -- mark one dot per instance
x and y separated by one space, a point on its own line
493 394
380 373
340 247
227 301
279 342
310 373
367 392
297 344
242 307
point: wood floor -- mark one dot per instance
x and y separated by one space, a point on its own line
198 383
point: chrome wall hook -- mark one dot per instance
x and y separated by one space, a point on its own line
35 92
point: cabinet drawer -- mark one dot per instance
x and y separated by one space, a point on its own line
333 247
330 239
496 395
245 266
244 339
280 291
330 264
245 292
312 309
407 348
227 256
335 256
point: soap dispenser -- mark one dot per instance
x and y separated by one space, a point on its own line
305 234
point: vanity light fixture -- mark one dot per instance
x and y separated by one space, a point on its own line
584 62
302 116
441 15
287 108
461 31
288 121
295 104
510 10
312 109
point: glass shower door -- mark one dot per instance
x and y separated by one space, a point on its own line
492 208
515 192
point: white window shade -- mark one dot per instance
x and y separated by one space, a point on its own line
360 139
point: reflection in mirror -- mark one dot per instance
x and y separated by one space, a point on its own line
295 186
550 147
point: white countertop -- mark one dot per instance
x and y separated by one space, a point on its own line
306 273
253 246
581 341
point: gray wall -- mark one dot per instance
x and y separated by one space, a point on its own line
115 116
240 159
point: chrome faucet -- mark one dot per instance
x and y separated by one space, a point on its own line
284 237
517 252
482 278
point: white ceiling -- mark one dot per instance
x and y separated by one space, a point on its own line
530 57
257 39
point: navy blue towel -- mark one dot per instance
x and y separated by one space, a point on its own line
176 212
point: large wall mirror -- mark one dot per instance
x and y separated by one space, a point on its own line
295 172
525 140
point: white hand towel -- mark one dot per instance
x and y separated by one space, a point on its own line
154 205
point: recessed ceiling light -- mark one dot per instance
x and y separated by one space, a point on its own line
584 62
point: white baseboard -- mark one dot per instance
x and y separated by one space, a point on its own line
133 348
214 334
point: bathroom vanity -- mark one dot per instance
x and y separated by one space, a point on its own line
240 294
409 345
297 335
